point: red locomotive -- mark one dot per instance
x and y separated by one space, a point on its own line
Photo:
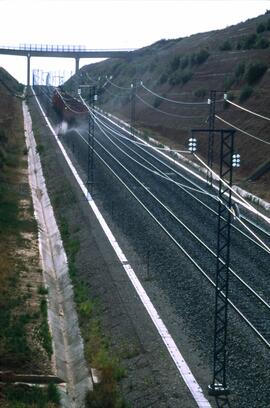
70 110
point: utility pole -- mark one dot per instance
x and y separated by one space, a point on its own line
212 112
133 107
227 162
91 140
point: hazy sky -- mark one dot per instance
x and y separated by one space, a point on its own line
110 24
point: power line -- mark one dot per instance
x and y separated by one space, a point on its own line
248 205
158 172
139 143
118 86
167 113
242 131
247 110
172 100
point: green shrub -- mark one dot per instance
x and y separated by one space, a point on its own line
180 77
202 56
186 76
163 78
239 46
245 93
40 148
174 64
262 43
53 393
260 28
3 137
240 70
38 397
249 42
226 46
184 62
175 79
268 24
254 72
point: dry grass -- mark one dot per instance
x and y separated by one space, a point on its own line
22 317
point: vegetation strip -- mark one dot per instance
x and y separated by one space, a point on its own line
23 356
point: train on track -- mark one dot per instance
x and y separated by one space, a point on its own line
69 109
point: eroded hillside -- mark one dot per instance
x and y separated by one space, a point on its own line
235 61
25 342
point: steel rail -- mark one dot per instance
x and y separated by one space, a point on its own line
234 307
256 226
252 327
246 205
181 186
255 294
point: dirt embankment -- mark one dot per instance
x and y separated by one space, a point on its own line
235 60
25 343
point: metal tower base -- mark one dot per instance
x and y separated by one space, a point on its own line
218 389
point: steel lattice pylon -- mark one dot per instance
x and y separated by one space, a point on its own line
212 102
219 383
133 107
91 142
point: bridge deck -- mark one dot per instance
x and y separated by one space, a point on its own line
63 51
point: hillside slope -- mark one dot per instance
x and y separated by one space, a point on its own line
25 342
234 60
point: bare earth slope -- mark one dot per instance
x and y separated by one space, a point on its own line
234 60
25 344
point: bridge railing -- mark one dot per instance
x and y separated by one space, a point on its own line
58 48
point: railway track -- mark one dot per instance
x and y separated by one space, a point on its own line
185 210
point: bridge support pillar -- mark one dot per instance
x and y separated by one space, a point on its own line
28 70
77 65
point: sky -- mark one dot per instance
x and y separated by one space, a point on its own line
109 24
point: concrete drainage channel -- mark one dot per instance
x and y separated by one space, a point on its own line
68 362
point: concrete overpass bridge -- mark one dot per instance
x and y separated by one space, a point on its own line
62 51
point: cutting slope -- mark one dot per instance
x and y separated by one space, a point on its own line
235 60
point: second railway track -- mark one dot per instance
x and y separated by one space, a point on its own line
249 259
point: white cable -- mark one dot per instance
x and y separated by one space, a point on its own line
147 144
243 131
68 107
167 113
140 143
172 100
266 248
157 171
232 190
118 86
91 79
178 220
245 204
156 319
247 110
185 187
